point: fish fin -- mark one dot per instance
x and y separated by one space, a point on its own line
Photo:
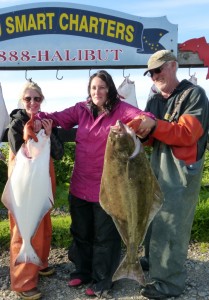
51 197
6 194
129 270
51 200
121 226
103 198
27 255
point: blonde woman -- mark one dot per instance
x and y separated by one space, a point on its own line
24 276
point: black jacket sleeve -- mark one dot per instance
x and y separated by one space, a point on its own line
57 146
15 135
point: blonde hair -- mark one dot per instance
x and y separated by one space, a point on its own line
29 85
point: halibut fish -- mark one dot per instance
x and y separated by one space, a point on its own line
130 194
28 193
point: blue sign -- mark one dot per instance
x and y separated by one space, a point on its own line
71 35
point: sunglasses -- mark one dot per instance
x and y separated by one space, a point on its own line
36 99
155 71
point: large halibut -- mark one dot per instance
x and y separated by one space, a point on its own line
130 194
28 193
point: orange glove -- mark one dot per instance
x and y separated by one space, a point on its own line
134 124
28 132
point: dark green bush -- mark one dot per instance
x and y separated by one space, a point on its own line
201 222
60 231
4 235
64 167
201 218
3 167
3 175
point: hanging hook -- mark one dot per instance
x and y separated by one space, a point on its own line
124 74
28 79
58 77
190 73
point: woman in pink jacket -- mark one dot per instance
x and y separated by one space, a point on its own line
96 246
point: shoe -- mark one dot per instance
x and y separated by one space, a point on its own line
47 271
32 294
144 261
75 282
151 292
90 292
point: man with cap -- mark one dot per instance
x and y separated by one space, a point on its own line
179 139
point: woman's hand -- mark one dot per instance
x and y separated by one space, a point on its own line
37 125
47 125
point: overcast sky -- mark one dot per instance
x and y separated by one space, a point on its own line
191 16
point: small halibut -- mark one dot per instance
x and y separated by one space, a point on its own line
28 193
130 194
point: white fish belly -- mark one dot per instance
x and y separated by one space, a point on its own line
28 193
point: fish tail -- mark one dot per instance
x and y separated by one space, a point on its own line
28 255
129 270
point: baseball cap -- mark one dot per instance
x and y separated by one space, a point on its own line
157 59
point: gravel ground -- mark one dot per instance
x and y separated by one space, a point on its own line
55 287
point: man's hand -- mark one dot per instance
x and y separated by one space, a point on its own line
142 125
134 124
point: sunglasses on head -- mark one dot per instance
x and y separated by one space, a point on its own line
155 71
36 99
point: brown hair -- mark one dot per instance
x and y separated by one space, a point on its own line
112 96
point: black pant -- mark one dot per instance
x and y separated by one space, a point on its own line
96 246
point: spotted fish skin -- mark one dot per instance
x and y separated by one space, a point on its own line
130 194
